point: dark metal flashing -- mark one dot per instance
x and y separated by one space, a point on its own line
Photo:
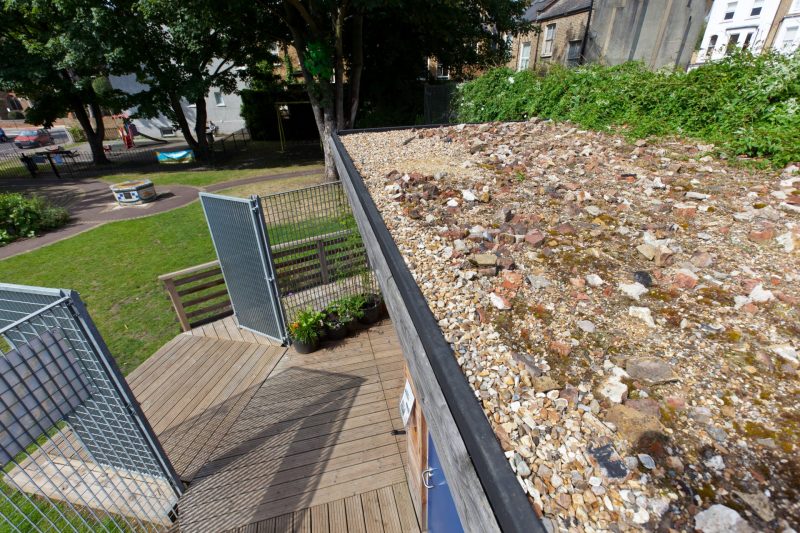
512 509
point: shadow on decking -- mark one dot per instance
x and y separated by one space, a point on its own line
276 453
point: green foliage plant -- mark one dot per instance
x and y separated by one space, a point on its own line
746 105
307 326
351 308
22 216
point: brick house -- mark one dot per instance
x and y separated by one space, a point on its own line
558 38
661 33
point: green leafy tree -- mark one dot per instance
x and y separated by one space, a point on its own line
183 49
329 37
51 56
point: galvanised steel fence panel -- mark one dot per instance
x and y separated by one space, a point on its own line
77 452
237 230
316 247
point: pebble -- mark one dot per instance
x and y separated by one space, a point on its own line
720 519
710 265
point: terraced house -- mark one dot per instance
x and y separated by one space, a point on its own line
660 33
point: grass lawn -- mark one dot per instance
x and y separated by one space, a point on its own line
115 268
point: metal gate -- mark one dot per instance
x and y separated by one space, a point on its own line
242 245
76 451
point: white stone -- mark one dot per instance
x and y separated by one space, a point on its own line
641 517
499 302
614 389
720 519
594 280
468 195
787 240
692 195
642 313
452 202
595 481
760 295
633 290
586 325
786 352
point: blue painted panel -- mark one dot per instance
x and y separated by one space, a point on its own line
442 514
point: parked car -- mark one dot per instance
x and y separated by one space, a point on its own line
33 138
3 136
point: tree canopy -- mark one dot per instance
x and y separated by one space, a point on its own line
63 50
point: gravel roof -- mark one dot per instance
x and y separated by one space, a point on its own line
627 314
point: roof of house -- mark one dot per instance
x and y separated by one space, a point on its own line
541 10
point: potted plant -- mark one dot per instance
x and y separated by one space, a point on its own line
335 328
351 309
373 308
306 330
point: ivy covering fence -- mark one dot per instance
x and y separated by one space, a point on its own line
745 104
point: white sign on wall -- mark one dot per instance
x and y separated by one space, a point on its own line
406 403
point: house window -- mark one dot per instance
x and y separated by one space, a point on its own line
442 71
218 99
747 40
167 132
757 5
730 10
789 37
549 37
712 43
733 40
524 56
574 53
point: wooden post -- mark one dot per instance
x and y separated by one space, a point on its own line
169 284
323 262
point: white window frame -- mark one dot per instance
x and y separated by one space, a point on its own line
788 42
219 99
524 60
549 38
757 4
730 9
442 71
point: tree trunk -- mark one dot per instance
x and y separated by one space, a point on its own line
356 68
339 70
95 138
99 125
322 105
200 120
183 124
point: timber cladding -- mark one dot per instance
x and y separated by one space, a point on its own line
486 492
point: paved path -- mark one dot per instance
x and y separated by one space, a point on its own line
91 204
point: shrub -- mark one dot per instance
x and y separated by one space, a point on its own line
77 134
745 104
350 308
26 217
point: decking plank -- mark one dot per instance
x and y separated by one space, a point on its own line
389 517
372 512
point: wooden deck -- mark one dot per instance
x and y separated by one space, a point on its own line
271 440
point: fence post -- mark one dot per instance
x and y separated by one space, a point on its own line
323 262
53 165
169 284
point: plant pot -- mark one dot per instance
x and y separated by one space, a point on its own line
373 309
336 331
302 347
353 326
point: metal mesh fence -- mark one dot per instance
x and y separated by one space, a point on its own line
77 454
316 247
236 230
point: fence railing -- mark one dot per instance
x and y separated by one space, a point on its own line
316 248
78 162
76 452
198 294
323 259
